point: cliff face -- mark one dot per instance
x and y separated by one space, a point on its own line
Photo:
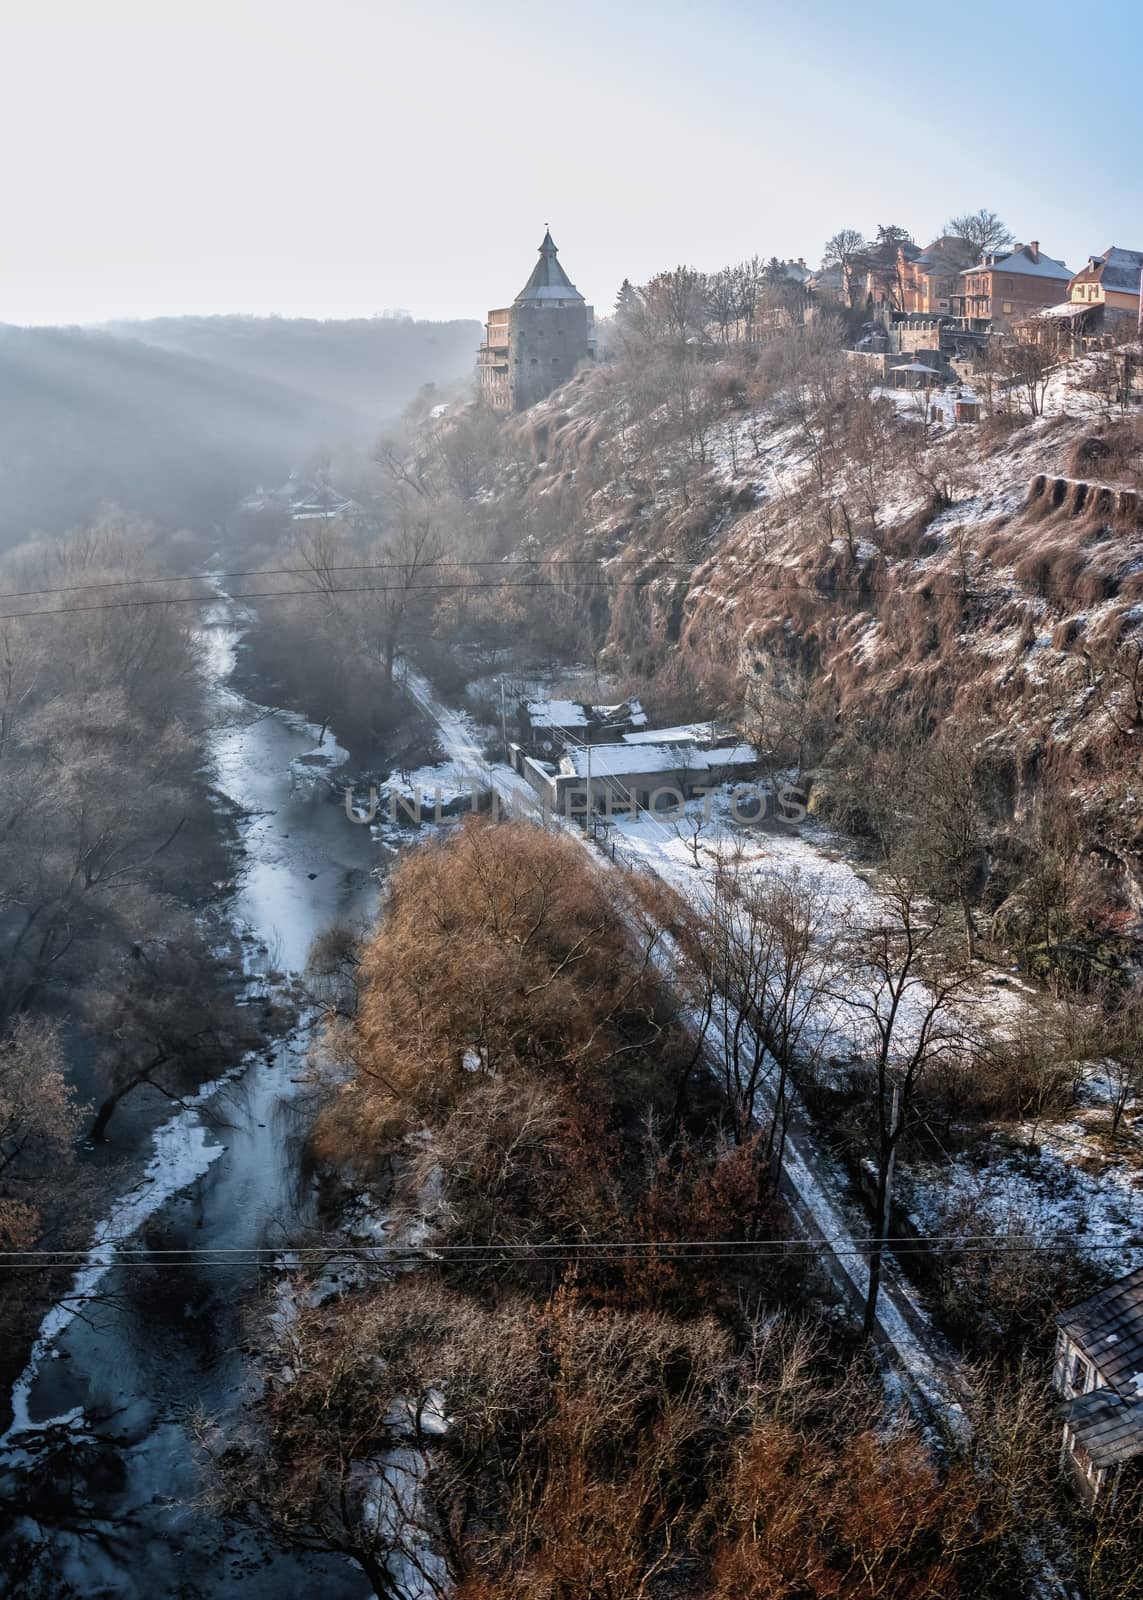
897 555
792 532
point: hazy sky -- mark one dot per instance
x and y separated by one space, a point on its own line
335 157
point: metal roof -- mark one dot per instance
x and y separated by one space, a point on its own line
1109 1427
1115 269
549 281
1021 262
1108 1328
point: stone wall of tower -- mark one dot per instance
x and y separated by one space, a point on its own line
546 344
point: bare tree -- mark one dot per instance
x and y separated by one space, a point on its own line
883 261
371 620
1028 363
165 1020
724 301
902 982
791 717
764 954
942 827
845 249
676 305
1120 1046
983 229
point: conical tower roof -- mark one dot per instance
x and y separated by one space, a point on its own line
549 281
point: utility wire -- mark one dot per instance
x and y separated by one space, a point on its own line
286 1258
357 566
312 593
815 590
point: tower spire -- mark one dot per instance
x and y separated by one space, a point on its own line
549 281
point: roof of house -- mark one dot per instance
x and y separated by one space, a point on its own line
1068 308
558 714
682 733
731 755
549 281
1108 1328
633 760
305 499
630 711
579 714
1115 269
1020 262
947 251
1109 1427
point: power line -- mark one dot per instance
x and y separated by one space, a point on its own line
357 566
816 590
303 594
620 1253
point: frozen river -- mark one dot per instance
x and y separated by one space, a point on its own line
154 1344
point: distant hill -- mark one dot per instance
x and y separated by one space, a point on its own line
372 365
175 420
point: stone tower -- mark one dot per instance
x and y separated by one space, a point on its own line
538 341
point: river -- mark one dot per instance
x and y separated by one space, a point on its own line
153 1345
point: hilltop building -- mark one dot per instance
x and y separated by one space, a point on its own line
930 281
1111 281
538 341
1009 285
1102 305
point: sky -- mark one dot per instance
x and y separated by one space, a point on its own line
335 158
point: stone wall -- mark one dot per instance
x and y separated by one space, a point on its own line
547 344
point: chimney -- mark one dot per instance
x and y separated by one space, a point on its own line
1034 249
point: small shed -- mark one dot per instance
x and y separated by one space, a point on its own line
968 410
1099 1375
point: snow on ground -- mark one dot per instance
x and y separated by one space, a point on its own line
464 756
850 901
1043 1181
182 1153
1050 1179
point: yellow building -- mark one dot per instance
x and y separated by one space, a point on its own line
1111 281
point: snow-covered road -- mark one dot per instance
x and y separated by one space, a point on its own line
463 752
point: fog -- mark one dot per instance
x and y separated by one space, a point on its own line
174 420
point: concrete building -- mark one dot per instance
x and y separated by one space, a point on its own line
537 342
547 726
636 778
